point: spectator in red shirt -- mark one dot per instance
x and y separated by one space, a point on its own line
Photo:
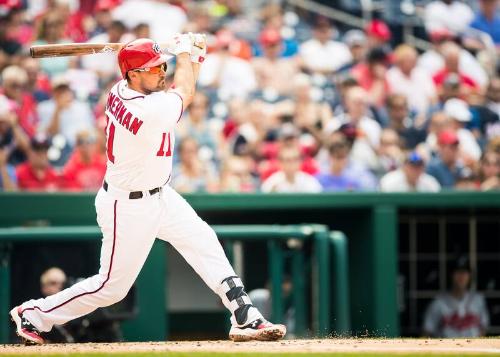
36 174
451 54
14 80
371 75
86 167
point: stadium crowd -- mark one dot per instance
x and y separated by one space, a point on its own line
287 101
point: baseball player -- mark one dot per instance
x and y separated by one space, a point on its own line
459 312
136 205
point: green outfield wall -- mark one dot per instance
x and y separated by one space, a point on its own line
369 220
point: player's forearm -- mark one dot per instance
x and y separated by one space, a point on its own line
184 79
196 71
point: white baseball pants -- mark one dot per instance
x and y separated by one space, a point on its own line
129 228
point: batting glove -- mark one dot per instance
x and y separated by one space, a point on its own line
182 43
199 48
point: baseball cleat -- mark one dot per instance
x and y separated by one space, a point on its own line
258 330
24 328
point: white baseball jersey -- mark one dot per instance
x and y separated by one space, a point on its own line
140 137
450 317
140 142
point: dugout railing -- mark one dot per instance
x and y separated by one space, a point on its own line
151 285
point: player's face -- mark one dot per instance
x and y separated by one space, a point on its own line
152 79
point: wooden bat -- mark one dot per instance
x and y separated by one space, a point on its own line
73 49
81 49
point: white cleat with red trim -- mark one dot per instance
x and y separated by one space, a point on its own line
258 330
24 328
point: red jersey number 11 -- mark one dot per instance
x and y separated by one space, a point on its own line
161 151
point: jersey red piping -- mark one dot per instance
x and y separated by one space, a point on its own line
89 292
118 92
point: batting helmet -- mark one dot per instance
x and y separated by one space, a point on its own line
140 53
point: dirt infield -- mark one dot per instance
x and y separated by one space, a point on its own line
424 346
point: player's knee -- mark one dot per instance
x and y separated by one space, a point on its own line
113 292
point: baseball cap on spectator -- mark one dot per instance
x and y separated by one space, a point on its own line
378 29
40 142
354 38
414 158
448 138
457 109
269 37
106 5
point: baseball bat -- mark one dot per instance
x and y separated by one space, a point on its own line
80 49
73 49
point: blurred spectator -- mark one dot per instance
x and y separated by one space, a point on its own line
13 140
439 122
310 116
9 45
493 97
38 83
358 46
8 180
164 19
460 312
64 114
36 174
236 175
344 174
104 64
195 124
451 55
256 127
458 111
192 174
102 16
399 120
487 19
141 31
321 54
229 75
411 177
52 281
366 139
489 173
452 15
433 61
378 33
371 75
446 167
288 137
272 71
289 178
413 82
390 156
86 167
14 80
51 31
